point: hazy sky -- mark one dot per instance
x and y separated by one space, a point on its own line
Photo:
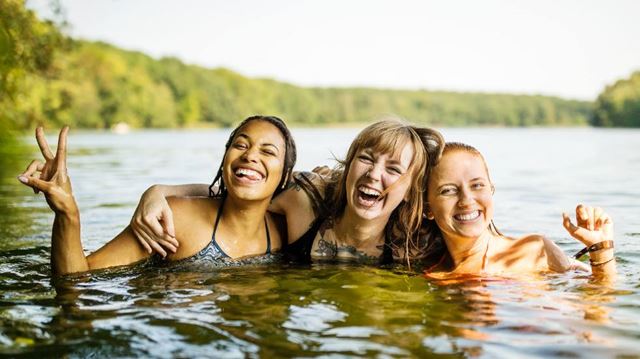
569 48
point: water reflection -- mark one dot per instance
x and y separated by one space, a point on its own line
321 310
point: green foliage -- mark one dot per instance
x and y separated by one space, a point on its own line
26 44
27 47
96 85
619 104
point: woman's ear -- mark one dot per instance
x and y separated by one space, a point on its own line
493 189
428 213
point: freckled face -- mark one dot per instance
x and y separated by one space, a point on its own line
460 195
370 175
254 163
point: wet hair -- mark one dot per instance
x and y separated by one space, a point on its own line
436 248
463 147
390 136
289 157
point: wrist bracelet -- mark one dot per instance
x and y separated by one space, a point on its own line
597 264
594 247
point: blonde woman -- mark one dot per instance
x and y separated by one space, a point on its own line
465 241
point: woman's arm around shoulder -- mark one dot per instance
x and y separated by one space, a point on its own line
152 221
299 202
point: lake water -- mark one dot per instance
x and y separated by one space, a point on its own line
322 310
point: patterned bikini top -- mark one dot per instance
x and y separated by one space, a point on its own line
213 256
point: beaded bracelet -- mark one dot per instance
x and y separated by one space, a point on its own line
594 247
596 264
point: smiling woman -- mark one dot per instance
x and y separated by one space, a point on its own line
369 209
258 160
460 213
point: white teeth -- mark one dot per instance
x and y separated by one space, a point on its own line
369 191
251 174
468 216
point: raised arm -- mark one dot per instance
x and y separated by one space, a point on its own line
594 229
67 255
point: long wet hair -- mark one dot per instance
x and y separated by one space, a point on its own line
435 246
218 188
390 136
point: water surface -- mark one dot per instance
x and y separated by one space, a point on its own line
322 310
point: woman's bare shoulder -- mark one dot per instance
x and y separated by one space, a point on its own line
192 204
193 219
524 253
528 241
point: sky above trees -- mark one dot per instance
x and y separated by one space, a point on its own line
563 48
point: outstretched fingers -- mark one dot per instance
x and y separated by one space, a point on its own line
61 152
43 144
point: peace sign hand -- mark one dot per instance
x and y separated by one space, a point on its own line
51 176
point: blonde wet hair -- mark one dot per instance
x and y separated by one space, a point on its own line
390 136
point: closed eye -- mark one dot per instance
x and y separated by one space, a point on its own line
240 145
394 170
269 152
365 159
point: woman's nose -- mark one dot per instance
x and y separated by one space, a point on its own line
465 198
251 154
374 172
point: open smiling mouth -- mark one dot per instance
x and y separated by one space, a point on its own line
369 196
467 217
248 175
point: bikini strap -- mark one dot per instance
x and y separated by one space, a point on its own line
387 251
215 228
266 226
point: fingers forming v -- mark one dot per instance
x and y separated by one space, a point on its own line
61 152
43 144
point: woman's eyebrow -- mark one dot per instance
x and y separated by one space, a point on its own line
395 162
243 135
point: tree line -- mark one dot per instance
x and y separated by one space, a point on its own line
96 85
50 79
619 104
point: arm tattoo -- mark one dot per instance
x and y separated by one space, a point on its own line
294 185
331 250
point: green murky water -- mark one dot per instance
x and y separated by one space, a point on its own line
322 310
